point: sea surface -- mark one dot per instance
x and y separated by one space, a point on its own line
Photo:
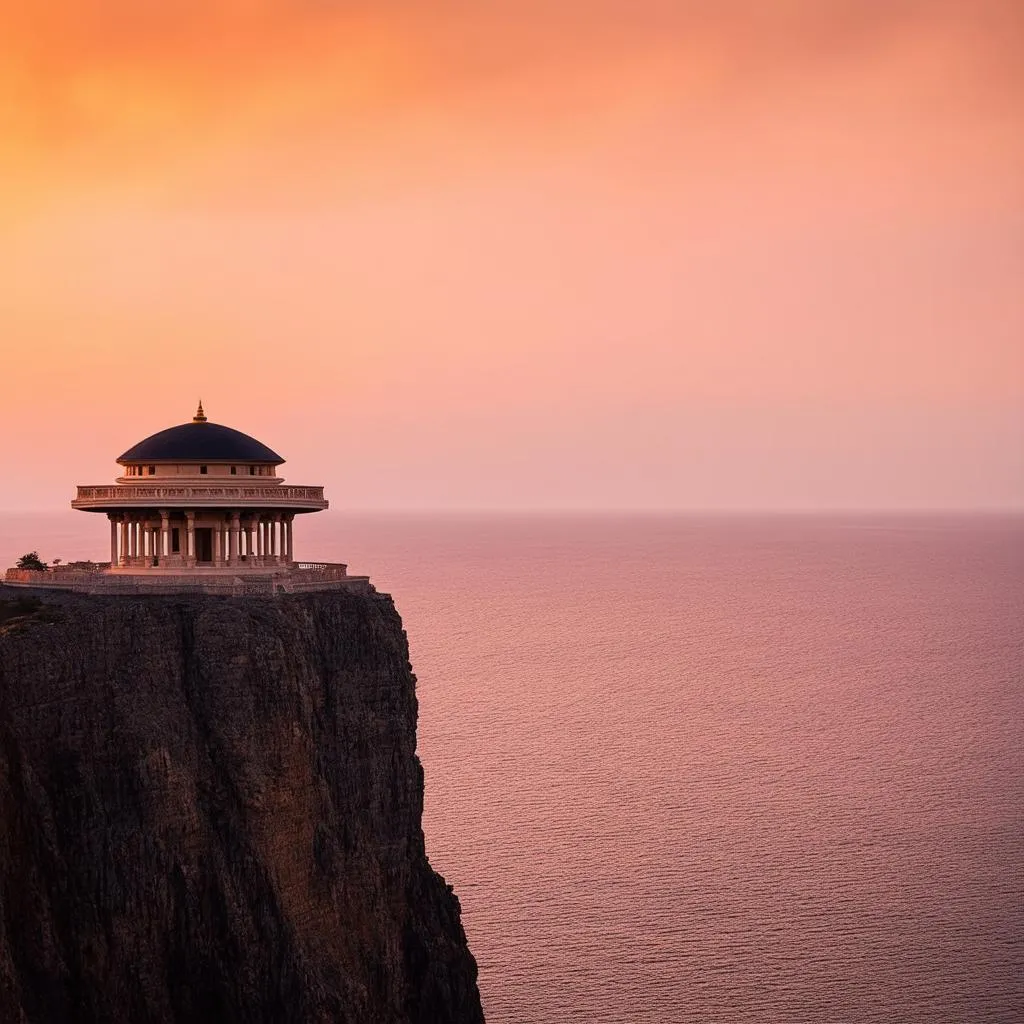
710 769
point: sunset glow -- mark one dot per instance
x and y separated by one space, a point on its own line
524 255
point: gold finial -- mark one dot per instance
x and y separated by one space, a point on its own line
200 416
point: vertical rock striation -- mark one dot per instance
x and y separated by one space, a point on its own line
210 809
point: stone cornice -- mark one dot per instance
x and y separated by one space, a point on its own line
195 495
193 480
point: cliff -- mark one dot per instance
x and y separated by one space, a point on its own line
210 809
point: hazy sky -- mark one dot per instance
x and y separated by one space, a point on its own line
570 253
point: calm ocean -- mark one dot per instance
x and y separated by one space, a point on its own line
697 769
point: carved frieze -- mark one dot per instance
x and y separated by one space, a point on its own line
281 494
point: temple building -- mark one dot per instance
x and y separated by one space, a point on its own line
200 498
198 507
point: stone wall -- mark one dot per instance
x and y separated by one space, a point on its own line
324 577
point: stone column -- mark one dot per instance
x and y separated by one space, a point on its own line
254 525
275 536
125 526
190 537
218 532
289 549
165 533
233 538
113 539
261 537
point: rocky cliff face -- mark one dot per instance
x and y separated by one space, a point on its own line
210 810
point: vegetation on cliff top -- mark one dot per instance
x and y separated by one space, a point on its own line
31 561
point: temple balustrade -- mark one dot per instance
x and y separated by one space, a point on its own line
199 495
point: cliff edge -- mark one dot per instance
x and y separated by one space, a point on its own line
210 810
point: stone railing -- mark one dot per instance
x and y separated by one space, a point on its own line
199 495
310 571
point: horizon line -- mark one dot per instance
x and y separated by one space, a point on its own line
610 510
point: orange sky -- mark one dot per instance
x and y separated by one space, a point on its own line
586 254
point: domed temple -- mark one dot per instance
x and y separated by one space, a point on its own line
199 504
201 497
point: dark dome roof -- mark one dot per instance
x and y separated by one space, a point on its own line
200 442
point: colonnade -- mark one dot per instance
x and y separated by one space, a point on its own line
179 538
